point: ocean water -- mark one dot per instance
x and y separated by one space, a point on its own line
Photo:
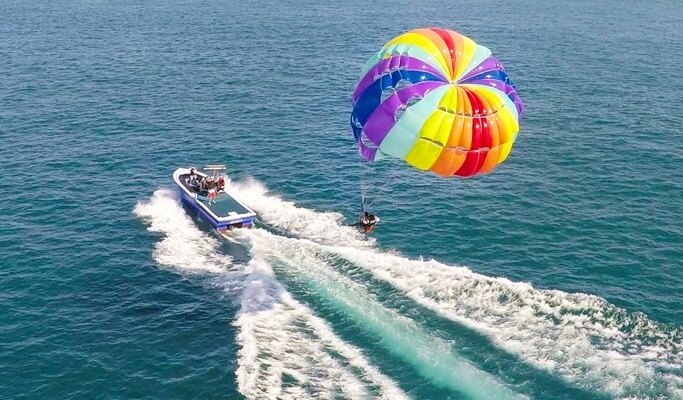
559 276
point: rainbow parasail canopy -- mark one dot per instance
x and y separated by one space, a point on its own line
437 100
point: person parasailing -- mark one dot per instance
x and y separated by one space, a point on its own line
368 221
450 108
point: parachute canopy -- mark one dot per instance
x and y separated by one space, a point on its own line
437 100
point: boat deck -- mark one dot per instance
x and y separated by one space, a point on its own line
224 206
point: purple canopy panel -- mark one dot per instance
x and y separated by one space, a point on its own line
384 117
367 152
405 62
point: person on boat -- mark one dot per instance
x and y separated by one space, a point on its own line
212 195
368 221
203 186
212 189
192 181
220 185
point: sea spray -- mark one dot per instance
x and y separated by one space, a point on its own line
580 337
327 227
431 356
183 246
576 336
285 350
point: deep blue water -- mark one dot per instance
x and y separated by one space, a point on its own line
109 289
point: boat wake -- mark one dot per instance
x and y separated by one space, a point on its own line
581 338
288 350
323 227
300 263
183 246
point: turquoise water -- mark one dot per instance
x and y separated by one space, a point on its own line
557 277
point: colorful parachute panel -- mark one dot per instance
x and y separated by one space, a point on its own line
437 100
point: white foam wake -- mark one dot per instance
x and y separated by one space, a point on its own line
183 246
286 351
326 227
431 356
289 353
579 337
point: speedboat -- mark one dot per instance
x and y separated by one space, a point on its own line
213 205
